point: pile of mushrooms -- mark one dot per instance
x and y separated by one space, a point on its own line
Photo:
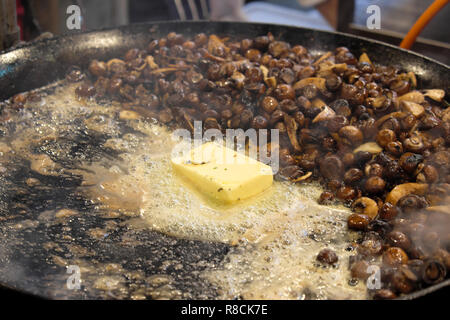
367 132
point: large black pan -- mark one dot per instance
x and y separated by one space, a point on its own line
25 265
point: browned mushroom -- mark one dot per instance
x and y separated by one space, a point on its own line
435 94
404 189
351 135
319 83
413 96
366 206
371 147
291 127
414 108
326 114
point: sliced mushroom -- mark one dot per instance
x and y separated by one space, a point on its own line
326 114
380 104
322 58
328 67
340 67
168 69
318 103
278 48
413 96
364 58
270 81
151 62
265 71
446 115
435 94
303 178
214 43
396 115
320 83
186 121
414 108
128 115
366 206
404 189
291 127
371 147
410 77
377 102
239 79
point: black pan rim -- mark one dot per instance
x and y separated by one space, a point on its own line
156 23
26 294
411 296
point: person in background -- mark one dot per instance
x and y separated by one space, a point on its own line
142 10
228 10
37 17
338 13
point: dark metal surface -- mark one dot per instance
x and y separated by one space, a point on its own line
435 49
35 65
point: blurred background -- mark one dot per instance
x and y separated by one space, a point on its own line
397 17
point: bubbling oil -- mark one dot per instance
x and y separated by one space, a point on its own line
275 235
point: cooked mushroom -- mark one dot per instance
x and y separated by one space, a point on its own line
375 184
433 271
320 83
331 167
351 135
371 147
326 114
358 221
366 206
413 96
414 108
395 256
303 178
151 62
116 66
323 57
98 68
385 136
364 58
435 94
404 189
291 127
411 203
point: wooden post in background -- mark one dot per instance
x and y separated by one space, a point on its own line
47 13
2 24
338 13
9 31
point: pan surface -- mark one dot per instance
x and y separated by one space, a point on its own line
29 258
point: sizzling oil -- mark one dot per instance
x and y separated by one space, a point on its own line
275 236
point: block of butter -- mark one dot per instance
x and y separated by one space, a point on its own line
222 173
